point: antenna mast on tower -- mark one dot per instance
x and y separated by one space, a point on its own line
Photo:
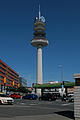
39 12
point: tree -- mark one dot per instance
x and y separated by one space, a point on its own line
23 90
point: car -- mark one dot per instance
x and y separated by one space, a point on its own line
68 98
48 96
30 96
64 98
4 99
15 95
71 98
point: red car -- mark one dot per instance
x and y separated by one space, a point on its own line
15 95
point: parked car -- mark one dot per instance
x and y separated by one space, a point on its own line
71 98
68 98
4 99
64 98
48 97
30 96
15 95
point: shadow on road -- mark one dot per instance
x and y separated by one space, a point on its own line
69 114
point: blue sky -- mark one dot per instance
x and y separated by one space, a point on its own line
63 32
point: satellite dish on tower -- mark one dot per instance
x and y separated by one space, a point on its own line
42 18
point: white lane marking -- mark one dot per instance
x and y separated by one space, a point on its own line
32 104
67 104
22 103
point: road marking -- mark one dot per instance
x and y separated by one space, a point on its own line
22 103
32 104
67 104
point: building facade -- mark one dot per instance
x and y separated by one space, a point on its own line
8 77
77 96
23 82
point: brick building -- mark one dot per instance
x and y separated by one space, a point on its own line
8 77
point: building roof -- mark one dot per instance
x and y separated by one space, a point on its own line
56 85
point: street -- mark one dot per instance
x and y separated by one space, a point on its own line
37 110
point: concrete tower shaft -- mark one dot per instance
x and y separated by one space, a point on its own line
39 66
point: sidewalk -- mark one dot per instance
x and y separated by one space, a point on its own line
38 117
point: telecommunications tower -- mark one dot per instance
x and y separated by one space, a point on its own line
39 40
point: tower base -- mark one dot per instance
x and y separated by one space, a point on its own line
38 92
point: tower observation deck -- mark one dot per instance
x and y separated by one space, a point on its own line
39 40
39 32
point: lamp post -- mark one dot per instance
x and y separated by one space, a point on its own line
61 72
62 81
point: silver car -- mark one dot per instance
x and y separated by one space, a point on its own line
4 99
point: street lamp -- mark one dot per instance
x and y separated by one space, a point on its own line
61 70
62 81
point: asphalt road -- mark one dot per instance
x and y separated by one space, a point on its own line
37 110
